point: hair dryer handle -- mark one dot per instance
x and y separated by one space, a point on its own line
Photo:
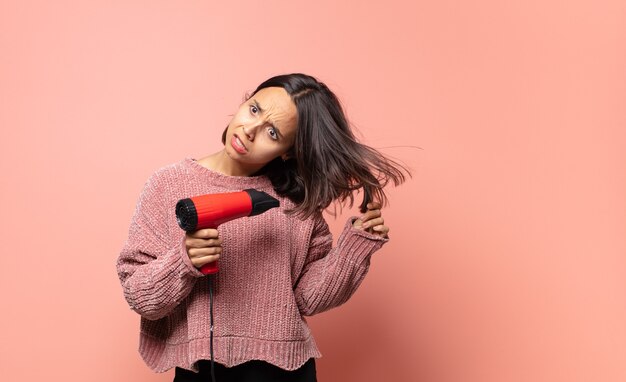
210 268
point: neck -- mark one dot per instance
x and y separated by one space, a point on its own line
223 163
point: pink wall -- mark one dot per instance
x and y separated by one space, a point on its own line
508 252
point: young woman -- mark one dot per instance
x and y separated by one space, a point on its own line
290 139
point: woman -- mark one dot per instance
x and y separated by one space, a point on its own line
290 139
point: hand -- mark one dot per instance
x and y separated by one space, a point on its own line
203 246
372 221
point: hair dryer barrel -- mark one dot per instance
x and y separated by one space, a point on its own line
211 210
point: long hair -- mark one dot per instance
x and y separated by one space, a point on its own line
326 162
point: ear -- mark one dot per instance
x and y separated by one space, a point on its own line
287 155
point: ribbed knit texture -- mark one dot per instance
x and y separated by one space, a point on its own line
274 270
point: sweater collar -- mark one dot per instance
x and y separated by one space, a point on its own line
242 182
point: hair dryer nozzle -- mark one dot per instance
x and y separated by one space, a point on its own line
261 201
186 214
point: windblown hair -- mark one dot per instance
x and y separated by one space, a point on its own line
326 162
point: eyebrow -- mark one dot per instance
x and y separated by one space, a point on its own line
262 111
254 101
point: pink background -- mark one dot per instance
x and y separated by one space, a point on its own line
508 252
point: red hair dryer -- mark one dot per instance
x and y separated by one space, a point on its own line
211 210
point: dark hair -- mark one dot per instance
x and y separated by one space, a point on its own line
326 162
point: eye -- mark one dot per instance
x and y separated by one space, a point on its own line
253 109
273 134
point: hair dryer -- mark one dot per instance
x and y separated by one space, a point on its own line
211 210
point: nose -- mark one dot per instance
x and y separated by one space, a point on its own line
249 131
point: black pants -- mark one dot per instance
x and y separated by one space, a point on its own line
253 371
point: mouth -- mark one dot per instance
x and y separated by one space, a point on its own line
238 144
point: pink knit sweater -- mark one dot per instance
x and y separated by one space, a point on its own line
274 270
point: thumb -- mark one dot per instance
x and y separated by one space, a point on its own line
357 223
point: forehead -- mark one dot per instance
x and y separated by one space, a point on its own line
275 100
278 106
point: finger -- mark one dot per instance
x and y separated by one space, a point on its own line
199 262
202 252
374 205
202 243
371 214
206 233
373 222
383 230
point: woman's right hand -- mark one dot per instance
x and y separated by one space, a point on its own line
203 246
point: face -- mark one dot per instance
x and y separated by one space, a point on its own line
263 129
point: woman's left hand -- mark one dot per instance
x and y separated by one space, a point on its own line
372 221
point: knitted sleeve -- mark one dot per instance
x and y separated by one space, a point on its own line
156 274
331 276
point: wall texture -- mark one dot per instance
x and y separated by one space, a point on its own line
508 254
